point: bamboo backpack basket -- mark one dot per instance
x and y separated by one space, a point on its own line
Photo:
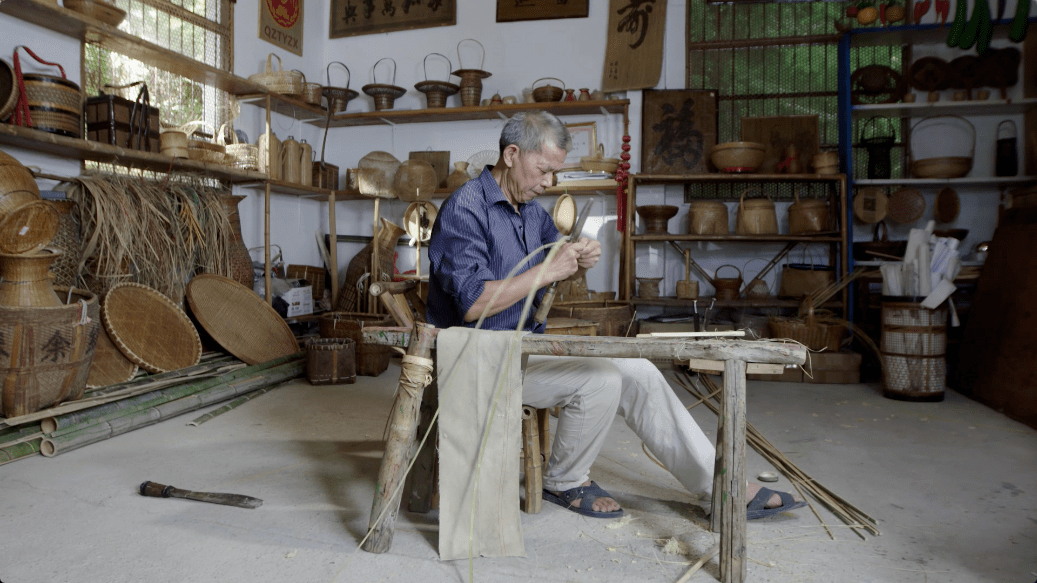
279 81
756 216
48 103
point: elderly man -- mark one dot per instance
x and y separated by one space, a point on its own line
485 229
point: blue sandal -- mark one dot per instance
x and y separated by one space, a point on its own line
757 507
587 495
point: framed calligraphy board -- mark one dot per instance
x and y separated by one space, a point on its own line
634 48
678 130
359 17
512 10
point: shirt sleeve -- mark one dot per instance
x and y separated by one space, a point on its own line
462 250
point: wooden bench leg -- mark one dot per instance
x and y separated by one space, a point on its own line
544 421
729 513
422 482
531 461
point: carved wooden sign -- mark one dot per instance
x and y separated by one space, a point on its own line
678 130
280 23
634 50
512 10
359 17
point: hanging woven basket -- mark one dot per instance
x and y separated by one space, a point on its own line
338 97
384 94
471 79
436 92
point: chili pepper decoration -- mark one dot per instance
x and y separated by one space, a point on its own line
621 186
921 9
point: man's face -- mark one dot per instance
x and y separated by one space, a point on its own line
532 172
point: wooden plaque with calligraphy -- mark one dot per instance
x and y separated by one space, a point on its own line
512 10
777 132
359 17
678 129
634 49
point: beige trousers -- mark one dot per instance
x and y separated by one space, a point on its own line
591 391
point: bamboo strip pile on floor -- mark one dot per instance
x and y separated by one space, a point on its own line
848 513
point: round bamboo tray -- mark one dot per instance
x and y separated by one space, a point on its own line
15 177
147 327
98 10
870 204
239 320
109 366
947 206
415 180
906 205
28 228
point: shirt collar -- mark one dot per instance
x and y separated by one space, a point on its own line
493 191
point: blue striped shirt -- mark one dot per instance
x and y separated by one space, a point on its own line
478 237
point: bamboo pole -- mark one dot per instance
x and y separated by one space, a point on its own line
733 563
18 451
333 241
531 461
17 435
403 425
375 262
95 432
232 405
266 212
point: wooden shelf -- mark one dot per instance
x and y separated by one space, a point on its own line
79 149
286 106
820 238
705 302
311 192
398 116
989 107
733 178
968 180
918 33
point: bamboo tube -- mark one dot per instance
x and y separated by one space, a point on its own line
17 434
232 405
73 421
403 428
366 299
95 432
17 451
531 460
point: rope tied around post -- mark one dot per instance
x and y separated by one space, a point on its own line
415 374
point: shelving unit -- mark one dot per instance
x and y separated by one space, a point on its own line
837 240
407 116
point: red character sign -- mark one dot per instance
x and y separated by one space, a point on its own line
285 12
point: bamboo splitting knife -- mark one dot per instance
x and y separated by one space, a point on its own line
162 491
549 297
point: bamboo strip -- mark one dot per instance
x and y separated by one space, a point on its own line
72 421
17 451
100 431
232 405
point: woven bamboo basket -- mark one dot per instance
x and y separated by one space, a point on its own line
312 274
371 359
471 79
173 141
756 216
613 317
212 152
808 216
8 90
28 228
384 94
548 92
55 104
816 332
338 98
353 296
707 217
147 327
331 361
45 353
914 348
310 91
243 156
279 81
436 92
98 10
109 366
15 176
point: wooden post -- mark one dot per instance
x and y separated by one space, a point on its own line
544 423
376 275
531 460
267 292
733 561
403 426
422 481
333 240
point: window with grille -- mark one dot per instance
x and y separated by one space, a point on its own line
197 29
775 58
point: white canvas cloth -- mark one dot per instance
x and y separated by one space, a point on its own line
473 366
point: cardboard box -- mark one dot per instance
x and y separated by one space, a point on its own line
300 301
834 368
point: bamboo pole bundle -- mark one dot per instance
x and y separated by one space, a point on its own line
17 451
98 431
9 436
848 513
74 422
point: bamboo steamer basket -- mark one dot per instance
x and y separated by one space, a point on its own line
45 352
436 92
279 81
371 359
173 141
471 79
707 217
826 163
808 216
15 177
98 10
756 217
8 90
310 91
548 92
614 318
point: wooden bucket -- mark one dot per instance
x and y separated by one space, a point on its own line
331 361
707 217
756 216
45 353
914 348
808 216
613 317
371 359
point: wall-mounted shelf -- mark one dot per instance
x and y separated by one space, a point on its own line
918 33
79 149
398 116
286 106
966 181
706 302
830 238
987 107
735 178
287 188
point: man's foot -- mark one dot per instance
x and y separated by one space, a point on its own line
773 502
602 505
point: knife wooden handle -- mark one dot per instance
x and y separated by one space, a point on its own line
545 304
156 490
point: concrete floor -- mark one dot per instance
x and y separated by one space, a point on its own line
950 483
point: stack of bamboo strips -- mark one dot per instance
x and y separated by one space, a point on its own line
856 519
820 296
65 432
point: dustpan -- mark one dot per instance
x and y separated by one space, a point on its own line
376 174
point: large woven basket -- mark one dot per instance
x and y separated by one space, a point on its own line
371 359
147 327
45 353
707 217
331 361
814 331
613 318
914 349
68 240
55 104
279 81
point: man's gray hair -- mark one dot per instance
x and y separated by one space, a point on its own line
530 130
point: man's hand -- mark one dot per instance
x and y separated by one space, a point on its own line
589 251
564 264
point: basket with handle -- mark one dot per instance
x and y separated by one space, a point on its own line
727 288
707 217
878 148
46 102
548 92
756 216
816 332
384 94
243 156
436 92
310 91
173 141
338 97
279 81
938 147
807 216
471 79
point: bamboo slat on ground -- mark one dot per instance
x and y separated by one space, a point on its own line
232 405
